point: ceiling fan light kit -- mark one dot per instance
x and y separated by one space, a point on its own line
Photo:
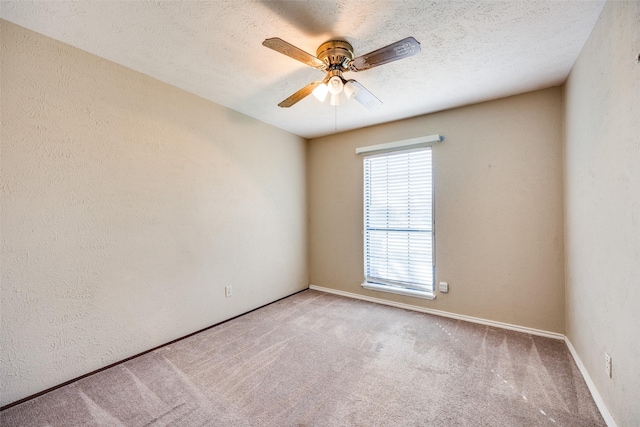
336 57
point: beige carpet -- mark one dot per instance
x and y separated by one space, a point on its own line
316 359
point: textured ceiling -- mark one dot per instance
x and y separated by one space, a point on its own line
472 51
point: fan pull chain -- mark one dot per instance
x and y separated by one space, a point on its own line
335 109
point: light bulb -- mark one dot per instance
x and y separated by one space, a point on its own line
320 92
335 85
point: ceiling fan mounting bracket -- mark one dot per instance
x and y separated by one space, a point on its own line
336 54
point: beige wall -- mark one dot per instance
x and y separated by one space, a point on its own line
498 209
127 206
602 178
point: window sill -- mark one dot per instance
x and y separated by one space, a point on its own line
399 291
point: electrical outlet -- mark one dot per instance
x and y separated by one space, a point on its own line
227 291
607 364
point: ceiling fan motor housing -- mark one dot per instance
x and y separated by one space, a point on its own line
336 54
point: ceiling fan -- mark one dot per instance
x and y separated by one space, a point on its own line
336 57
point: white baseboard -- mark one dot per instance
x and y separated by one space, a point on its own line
441 313
592 387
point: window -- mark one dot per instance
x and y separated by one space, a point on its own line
398 222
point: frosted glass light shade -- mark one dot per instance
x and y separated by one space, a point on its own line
350 89
320 92
338 99
335 85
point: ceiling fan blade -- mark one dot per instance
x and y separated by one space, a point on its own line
305 91
291 51
393 52
361 94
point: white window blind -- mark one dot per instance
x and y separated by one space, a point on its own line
398 219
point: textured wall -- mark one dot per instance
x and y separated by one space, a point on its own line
602 175
127 206
498 209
